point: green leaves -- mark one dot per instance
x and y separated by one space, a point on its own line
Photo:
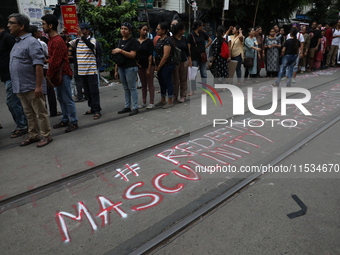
105 22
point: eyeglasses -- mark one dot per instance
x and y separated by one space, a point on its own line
12 22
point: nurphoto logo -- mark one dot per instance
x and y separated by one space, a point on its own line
239 99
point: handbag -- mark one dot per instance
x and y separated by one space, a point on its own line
57 79
248 62
118 58
177 53
204 57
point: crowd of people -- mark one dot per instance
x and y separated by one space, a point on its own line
59 61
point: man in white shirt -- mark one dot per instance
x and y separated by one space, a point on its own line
301 38
333 52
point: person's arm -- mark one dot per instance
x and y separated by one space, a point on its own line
209 42
39 76
128 54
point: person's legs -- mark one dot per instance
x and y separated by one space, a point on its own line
15 107
52 101
85 84
127 93
131 77
68 102
183 79
33 129
94 93
203 72
283 70
143 79
151 86
176 82
335 55
64 109
238 68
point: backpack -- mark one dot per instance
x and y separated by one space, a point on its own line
225 50
177 53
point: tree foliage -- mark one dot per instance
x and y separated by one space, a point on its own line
105 21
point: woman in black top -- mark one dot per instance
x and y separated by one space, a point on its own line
197 46
164 65
289 52
180 74
127 71
146 66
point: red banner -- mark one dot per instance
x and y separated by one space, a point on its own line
70 19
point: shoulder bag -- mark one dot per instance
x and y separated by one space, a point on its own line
203 56
118 58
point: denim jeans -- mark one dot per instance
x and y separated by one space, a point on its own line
165 80
287 61
67 105
128 78
238 67
90 84
15 107
203 71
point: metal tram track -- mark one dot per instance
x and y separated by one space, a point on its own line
162 239
55 186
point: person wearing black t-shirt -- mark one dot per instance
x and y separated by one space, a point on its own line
197 46
146 66
290 51
164 65
315 39
127 72
180 74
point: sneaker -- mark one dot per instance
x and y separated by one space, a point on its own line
71 128
293 80
141 106
167 106
284 78
275 85
181 100
125 110
150 106
134 112
160 103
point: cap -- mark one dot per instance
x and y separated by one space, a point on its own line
84 25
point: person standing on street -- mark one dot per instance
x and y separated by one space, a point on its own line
290 52
333 51
197 47
87 68
127 71
52 101
26 68
58 58
13 102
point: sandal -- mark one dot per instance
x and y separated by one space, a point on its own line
29 140
18 133
88 113
60 125
97 116
71 128
43 142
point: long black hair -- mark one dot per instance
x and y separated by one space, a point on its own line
293 34
177 27
220 31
